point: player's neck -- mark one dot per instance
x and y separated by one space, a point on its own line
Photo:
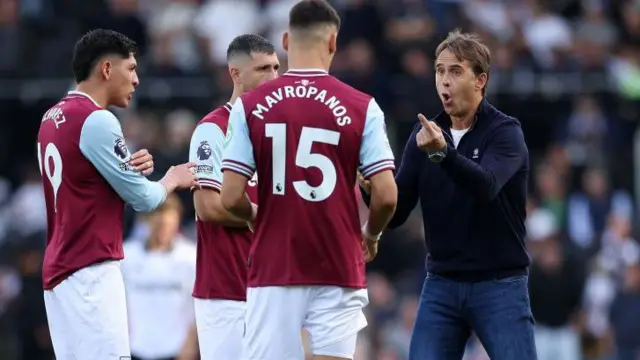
97 93
464 122
308 58
237 92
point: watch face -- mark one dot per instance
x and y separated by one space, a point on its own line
436 156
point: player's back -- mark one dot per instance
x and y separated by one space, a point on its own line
306 129
84 214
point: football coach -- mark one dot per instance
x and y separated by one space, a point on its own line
469 168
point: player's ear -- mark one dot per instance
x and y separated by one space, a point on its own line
333 43
285 41
105 69
481 81
234 73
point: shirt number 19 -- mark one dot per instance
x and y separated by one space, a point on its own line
52 166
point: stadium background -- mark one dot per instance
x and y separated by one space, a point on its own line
569 70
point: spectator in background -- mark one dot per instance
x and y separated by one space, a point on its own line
556 286
158 275
587 132
589 210
398 333
9 37
625 310
547 34
27 209
551 192
595 35
124 17
617 241
176 46
178 127
275 20
219 21
31 319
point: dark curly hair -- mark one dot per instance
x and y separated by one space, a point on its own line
94 45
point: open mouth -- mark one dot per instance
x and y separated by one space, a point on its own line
446 98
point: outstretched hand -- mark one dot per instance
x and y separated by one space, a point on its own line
430 137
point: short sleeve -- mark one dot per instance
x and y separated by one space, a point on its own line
206 148
375 150
102 143
238 149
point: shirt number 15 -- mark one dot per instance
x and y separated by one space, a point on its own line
304 159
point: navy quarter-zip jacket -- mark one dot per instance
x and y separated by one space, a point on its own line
473 202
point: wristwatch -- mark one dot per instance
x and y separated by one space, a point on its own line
438 155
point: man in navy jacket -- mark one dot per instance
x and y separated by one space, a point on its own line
469 169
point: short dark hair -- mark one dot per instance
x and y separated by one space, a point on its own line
96 44
249 43
468 46
308 13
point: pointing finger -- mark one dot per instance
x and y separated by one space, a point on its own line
423 120
429 126
434 127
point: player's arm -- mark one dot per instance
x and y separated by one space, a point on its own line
100 138
377 165
238 166
207 144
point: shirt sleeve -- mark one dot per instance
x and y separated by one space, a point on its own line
102 143
206 148
505 155
375 150
238 149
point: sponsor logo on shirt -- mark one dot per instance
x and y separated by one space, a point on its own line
204 169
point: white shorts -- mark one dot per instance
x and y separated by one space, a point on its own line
220 325
87 314
331 315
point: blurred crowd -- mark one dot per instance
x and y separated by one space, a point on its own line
568 69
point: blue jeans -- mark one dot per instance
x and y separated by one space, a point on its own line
497 311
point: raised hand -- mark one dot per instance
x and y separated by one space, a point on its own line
430 137
142 162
